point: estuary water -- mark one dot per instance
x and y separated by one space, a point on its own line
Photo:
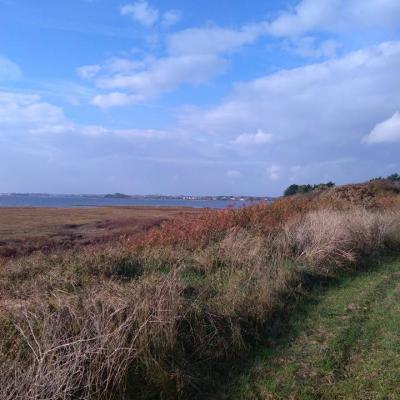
87 201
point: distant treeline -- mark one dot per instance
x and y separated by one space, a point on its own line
302 189
391 178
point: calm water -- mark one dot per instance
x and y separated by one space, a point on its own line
72 201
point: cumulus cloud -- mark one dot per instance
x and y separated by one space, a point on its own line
9 71
315 102
386 131
141 12
257 138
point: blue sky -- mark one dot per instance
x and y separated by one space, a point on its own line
197 97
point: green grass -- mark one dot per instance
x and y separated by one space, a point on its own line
343 343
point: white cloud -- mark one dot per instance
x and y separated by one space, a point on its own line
171 17
22 114
257 138
334 16
307 17
27 113
327 102
114 99
194 57
141 12
160 76
386 131
9 71
273 172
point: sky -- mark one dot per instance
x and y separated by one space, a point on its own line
197 97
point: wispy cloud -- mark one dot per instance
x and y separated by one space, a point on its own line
115 99
194 57
171 17
27 114
310 47
88 71
273 172
233 173
386 131
334 16
159 76
9 70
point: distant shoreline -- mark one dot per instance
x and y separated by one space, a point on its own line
143 197
86 201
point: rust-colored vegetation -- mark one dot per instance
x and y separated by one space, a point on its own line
148 315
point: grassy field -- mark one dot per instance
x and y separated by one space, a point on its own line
23 230
342 343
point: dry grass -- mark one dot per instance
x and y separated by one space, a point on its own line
150 316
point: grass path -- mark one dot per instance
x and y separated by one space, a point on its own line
343 343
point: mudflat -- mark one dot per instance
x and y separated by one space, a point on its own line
25 230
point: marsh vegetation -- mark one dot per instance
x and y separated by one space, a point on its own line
165 312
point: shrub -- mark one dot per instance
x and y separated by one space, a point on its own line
303 189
